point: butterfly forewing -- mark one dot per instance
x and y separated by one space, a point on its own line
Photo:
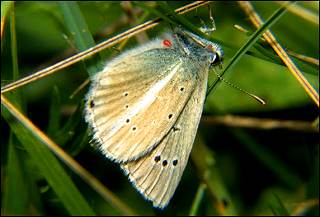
133 104
157 174
145 107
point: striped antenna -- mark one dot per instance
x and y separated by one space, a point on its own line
238 88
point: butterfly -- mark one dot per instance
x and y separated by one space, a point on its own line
144 109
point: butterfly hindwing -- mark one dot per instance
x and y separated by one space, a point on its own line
157 174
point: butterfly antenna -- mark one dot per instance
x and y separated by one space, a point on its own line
238 88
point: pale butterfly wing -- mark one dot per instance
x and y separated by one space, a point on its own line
145 107
132 104
157 175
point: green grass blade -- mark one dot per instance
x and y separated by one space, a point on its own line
67 131
20 196
5 8
54 113
17 198
197 200
252 40
79 31
156 12
186 23
204 161
278 208
49 166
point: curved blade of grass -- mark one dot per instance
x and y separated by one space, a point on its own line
278 208
14 197
46 162
66 132
73 134
5 8
80 142
204 161
43 158
54 114
37 144
20 195
19 192
197 200
79 31
272 20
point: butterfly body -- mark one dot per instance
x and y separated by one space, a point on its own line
144 108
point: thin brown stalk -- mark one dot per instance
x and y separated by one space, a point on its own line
302 57
93 50
257 21
259 123
303 13
305 58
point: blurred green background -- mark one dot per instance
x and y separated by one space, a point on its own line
255 172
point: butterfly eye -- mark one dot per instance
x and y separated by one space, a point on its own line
216 60
216 54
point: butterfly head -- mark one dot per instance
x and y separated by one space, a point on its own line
217 54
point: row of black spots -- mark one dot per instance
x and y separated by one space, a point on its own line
126 94
165 162
134 128
126 107
92 104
